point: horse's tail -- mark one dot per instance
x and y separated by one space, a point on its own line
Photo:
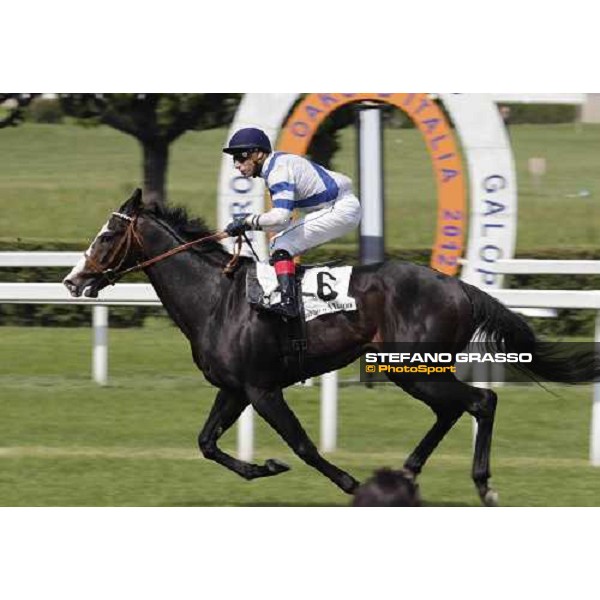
502 330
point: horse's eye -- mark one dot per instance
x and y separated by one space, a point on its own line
107 236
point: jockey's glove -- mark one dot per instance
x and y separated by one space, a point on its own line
237 227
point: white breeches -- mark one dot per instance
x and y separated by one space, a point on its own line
319 226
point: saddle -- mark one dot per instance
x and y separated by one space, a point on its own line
321 289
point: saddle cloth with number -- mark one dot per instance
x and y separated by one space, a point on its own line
324 289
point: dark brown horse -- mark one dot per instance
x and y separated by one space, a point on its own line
244 354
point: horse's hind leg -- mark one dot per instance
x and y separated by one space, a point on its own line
272 407
449 400
481 404
447 414
227 408
445 420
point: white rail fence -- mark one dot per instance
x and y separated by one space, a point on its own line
129 294
126 294
578 299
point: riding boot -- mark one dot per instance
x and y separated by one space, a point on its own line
289 296
285 270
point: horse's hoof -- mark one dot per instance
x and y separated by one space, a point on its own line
349 484
491 498
275 466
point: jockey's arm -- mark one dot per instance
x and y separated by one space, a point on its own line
273 220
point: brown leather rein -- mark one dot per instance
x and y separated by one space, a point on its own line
114 274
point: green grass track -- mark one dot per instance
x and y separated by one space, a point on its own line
65 441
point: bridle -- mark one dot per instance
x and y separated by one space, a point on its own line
126 241
113 274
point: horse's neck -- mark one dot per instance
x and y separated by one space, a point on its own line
186 283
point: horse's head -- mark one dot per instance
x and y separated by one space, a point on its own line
116 247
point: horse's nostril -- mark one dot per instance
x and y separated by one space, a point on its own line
71 287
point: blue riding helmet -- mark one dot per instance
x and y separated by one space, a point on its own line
249 138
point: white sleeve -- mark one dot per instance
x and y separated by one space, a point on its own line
272 219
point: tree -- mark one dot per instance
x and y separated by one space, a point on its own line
156 121
14 105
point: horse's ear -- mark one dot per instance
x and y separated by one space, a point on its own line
134 203
136 199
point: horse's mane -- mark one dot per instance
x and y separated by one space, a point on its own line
189 228
177 217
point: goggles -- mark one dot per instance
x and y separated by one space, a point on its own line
242 156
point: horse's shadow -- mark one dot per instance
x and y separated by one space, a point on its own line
278 504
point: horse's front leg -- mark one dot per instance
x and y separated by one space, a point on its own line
227 408
272 407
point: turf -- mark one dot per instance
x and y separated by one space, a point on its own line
59 182
67 442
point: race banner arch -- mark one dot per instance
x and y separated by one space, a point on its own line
443 151
484 142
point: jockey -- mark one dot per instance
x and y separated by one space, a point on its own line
330 208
